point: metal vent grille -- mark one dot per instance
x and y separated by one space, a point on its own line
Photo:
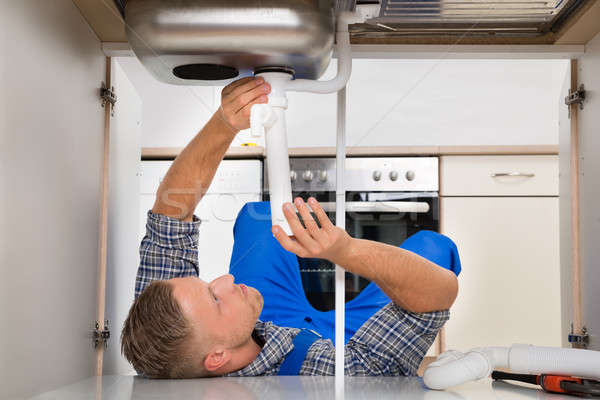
470 10
499 16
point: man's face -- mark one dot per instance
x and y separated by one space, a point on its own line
220 312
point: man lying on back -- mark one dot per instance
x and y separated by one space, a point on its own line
180 326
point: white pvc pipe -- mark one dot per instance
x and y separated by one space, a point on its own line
530 359
340 221
271 117
344 63
454 368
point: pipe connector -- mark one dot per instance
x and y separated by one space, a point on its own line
261 117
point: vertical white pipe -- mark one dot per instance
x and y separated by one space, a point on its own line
340 221
280 186
280 189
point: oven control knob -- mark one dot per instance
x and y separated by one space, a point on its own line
307 175
410 175
393 175
376 175
293 176
323 176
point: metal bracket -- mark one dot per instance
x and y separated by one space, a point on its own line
101 336
575 97
580 340
108 96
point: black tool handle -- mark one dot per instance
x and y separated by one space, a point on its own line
500 375
588 387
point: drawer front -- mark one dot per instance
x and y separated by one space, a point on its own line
499 176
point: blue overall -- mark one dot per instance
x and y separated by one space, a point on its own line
258 260
294 359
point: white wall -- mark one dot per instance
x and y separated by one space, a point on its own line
172 115
454 102
50 163
390 102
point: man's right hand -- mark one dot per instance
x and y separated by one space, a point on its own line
237 99
328 241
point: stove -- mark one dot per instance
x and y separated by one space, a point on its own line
388 199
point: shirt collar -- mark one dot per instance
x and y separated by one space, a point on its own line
277 344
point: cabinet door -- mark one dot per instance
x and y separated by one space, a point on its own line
123 211
509 288
589 121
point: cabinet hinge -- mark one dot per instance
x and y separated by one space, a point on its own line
108 96
101 336
580 340
575 97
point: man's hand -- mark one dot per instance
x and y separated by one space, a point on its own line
328 242
192 171
411 281
237 99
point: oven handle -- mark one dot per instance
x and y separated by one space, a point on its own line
380 206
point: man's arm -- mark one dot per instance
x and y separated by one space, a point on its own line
192 172
170 247
412 282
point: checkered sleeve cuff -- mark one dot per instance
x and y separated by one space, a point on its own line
426 322
170 232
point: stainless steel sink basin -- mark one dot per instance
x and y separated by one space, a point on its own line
212 42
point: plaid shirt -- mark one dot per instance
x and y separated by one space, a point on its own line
392 342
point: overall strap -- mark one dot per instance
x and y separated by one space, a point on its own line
294 359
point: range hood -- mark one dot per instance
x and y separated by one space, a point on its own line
211 42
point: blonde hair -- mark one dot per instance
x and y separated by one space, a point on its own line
156 335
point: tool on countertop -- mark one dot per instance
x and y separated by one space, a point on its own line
554 383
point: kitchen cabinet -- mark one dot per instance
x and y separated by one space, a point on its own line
507 234
123 204
52 140
51 134
499 176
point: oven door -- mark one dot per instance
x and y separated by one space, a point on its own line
384 217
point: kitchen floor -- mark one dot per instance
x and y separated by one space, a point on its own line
119 387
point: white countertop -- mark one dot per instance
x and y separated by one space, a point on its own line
119 387
366 151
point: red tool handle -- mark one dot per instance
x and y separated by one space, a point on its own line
553 383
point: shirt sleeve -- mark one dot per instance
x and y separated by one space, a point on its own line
392 342
168 250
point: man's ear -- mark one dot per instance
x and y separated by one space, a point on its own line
216 359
